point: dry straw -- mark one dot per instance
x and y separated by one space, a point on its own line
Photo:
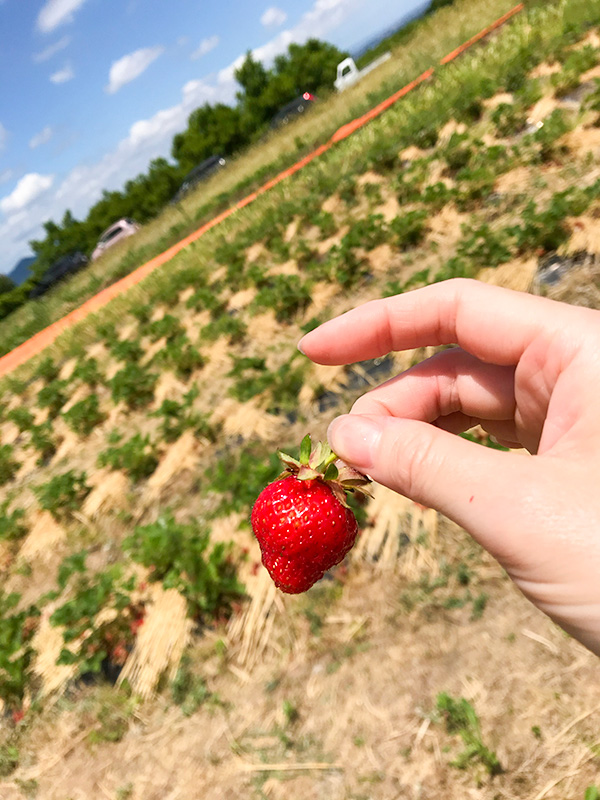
160 643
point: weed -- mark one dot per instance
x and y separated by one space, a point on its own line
592 793
114 715
124 792
63 493
177 554
461 719
133 385
188 690
238 477
9 759
137 457
84 416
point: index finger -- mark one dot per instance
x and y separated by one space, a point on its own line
493 324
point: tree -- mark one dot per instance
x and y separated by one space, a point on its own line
252 77
6 284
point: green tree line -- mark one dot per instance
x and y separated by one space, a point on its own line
211 129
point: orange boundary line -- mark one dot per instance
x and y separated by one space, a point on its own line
482 34
47 336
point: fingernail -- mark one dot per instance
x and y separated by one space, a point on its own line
299 346
355 439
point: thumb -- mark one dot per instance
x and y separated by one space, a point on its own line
473 485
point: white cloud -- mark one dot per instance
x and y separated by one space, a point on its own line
41 138
273 17
131 66
205 46
57 12
63 75
147 139
27 190
3 136
52 50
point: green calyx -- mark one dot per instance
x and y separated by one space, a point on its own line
320 462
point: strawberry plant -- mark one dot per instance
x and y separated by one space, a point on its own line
509 119
84 416
178 555
366 233
238 477
547 137
437 195
180 355
16 631
168 327
127 350
285 294
22 417
8 465
53 397
179 417
46 370
63 493
207 297
133 385
485 247
43 441
87 371
137 457
324 221
94 643
575 63
409 229
11 523
233 328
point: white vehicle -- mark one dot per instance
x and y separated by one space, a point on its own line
119 230
348 73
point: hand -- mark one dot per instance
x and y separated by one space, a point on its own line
527 370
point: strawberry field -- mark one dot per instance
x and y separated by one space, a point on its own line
145 653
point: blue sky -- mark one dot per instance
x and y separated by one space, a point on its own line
91 90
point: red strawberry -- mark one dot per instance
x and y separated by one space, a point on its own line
302 521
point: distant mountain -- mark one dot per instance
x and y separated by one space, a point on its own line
360 49
21 271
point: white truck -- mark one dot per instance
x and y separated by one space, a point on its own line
348 73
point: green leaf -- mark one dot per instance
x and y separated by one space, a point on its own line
305 449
